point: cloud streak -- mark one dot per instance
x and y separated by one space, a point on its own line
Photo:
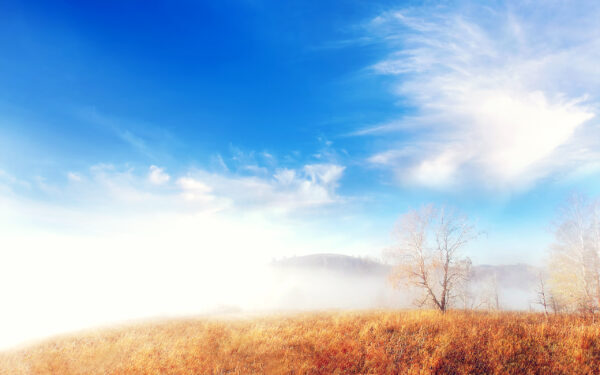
157 175
274 190
497 99
313 185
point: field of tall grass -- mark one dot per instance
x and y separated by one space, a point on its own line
370 342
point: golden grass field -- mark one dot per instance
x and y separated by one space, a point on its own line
371 342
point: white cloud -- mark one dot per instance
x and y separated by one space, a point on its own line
157 175
255 169
195 190
74 177
326 174
7 179
281 190
285 177
8 182
189 184
500 99
218 162
284 190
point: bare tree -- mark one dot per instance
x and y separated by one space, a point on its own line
556 306
496 293
465 294
542 294
428 254
574 256
490 296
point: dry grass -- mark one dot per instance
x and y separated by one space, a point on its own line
418 342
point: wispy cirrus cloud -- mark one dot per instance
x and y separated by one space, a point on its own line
499 97
145 139
285 189
268 190
158 176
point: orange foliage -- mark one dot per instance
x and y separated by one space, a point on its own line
385 342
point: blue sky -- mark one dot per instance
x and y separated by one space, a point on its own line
487 108
258 129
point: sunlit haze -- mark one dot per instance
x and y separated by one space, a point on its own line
156 159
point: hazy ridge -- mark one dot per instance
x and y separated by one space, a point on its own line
350 281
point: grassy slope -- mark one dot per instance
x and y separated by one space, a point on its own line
327 343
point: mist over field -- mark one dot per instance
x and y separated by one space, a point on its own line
80 293
333 281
